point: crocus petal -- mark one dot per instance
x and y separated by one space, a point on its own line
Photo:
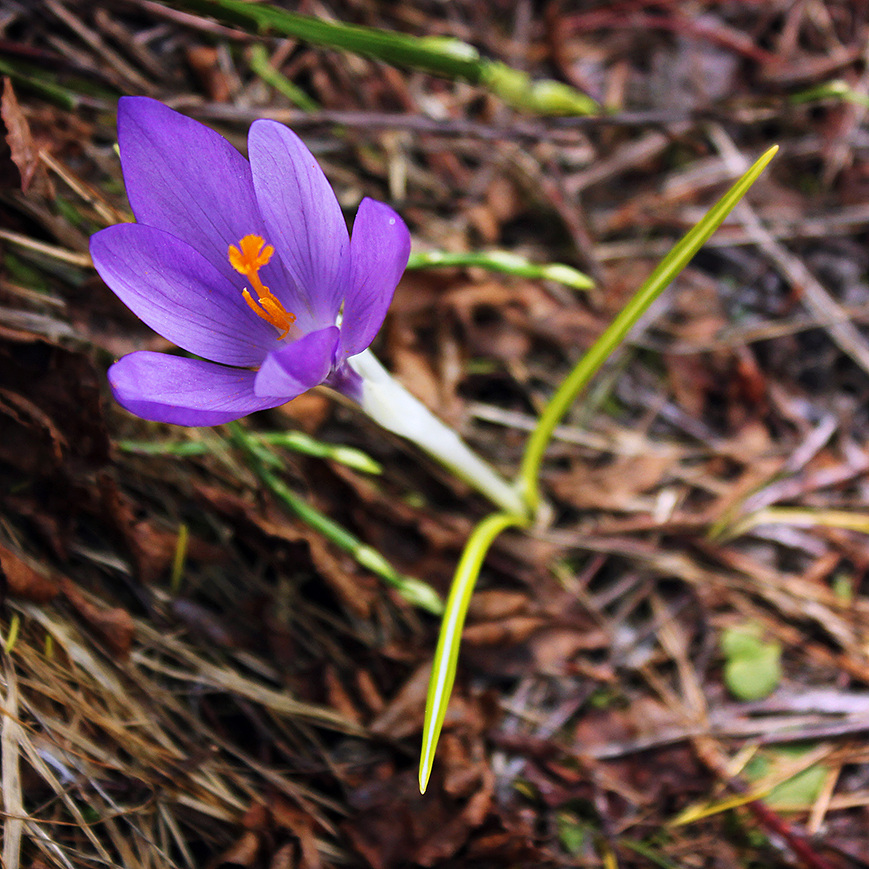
302 216
179 294
186 179
184 391
342 378
298 366
379 249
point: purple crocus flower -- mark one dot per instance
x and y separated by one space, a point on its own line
246 265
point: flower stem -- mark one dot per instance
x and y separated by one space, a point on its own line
391 406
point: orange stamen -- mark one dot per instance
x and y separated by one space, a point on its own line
248 258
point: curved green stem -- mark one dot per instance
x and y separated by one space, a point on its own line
443 673
446 656
600 351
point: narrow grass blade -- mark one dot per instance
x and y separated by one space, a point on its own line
505 262
413 590
443 674
446 655
179 559
259 63
837 89
601 350
443 56
301 443
297 441
796 517
30 80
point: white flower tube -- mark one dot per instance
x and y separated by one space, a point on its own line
390 405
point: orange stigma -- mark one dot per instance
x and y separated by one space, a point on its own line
248 258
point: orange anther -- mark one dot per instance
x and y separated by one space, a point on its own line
251 254
248 258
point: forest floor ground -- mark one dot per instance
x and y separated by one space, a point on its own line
673 672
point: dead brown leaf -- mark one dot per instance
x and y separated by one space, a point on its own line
339 697
414 371
301 825
514 629
403 714
242 852
355 590
396 826
308 411
24 151
490 604
284 857
50 410
152 548
613 486
484 310
204 60
113 624
690 381
23 581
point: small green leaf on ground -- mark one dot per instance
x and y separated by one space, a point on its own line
790 792
572 833
752 668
